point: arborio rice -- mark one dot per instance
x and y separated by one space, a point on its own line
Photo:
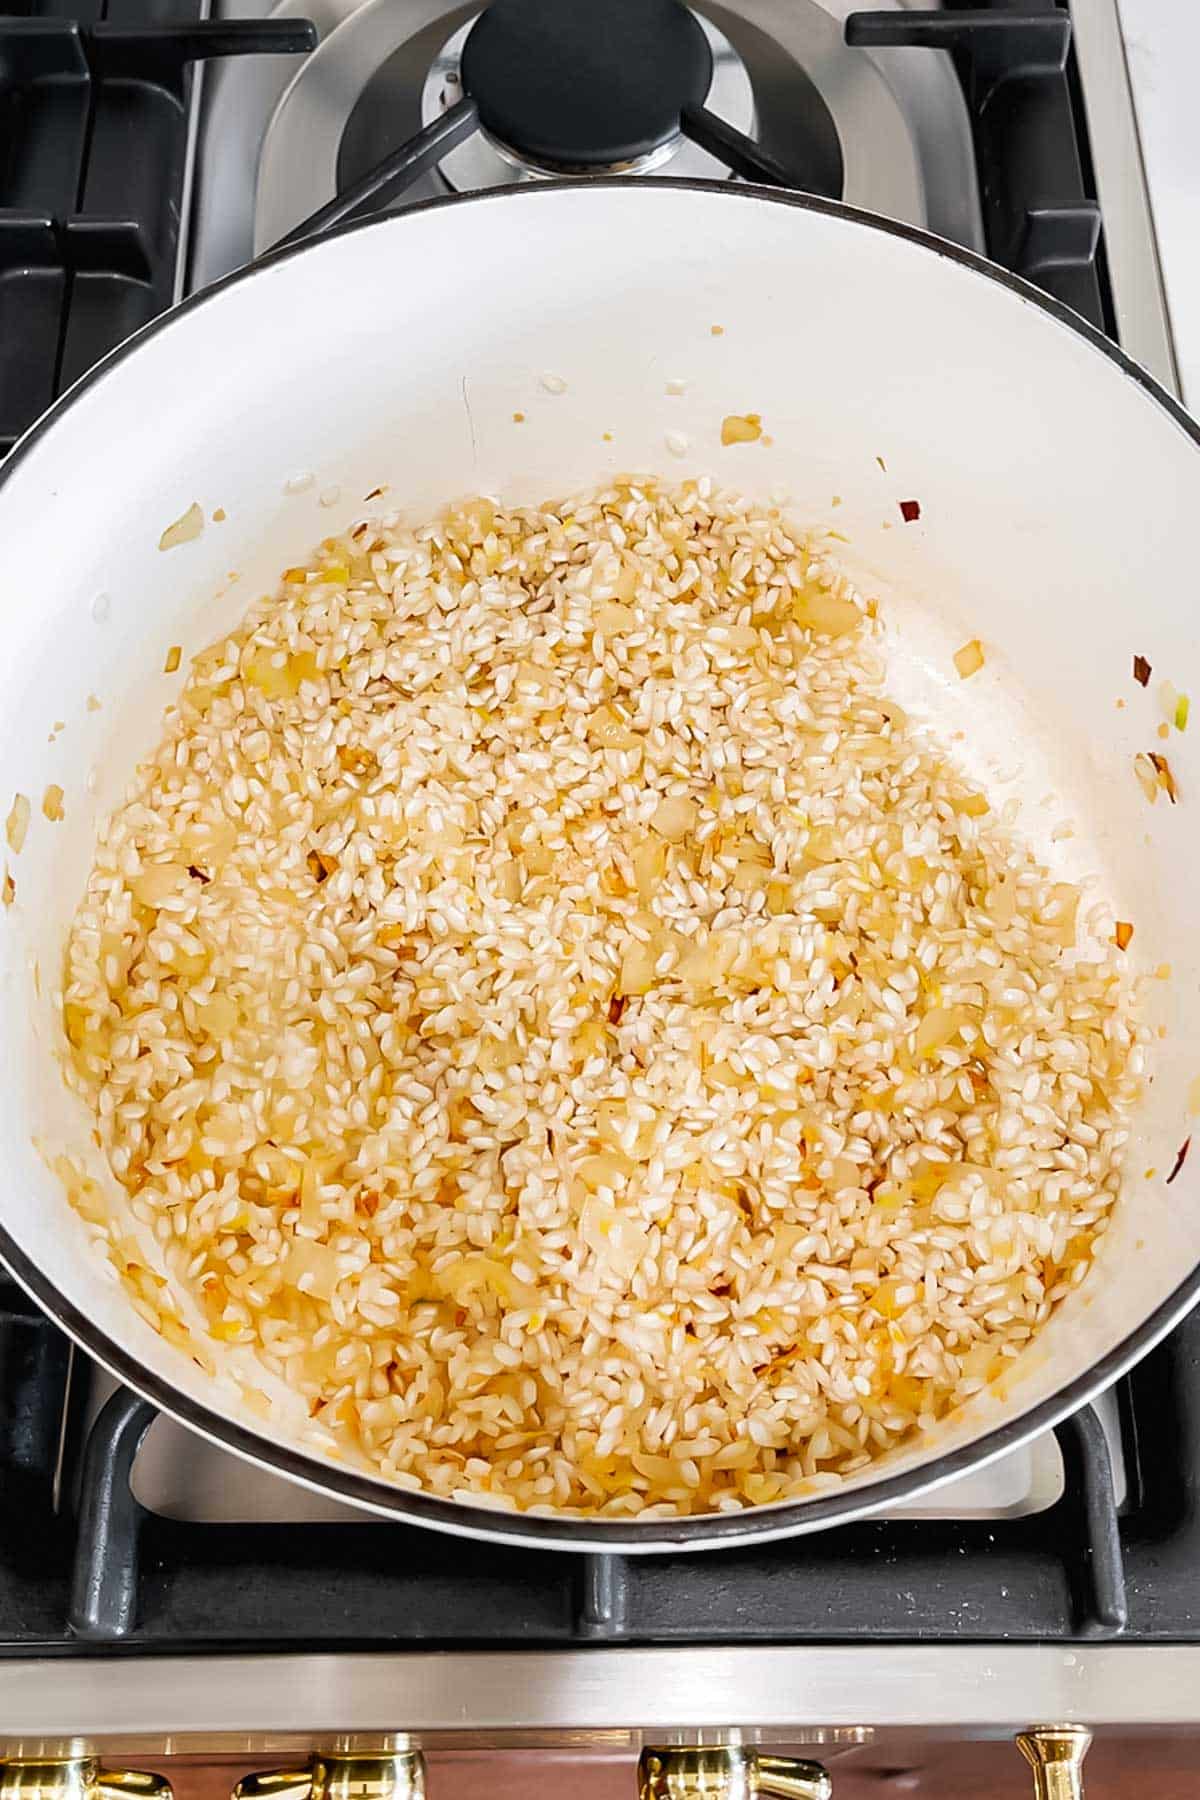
548 1001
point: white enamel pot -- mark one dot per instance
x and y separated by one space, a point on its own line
1059 494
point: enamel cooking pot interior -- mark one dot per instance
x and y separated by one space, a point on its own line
1058 490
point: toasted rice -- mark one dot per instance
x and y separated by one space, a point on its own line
547 1001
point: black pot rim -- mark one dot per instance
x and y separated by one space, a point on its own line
707 1530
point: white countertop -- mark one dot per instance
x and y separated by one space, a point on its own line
1162 43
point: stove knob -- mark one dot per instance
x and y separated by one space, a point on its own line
1055 1753
728 1773
370 1775
78 1778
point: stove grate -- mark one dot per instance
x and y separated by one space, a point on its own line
93 142
1040 218
101 1570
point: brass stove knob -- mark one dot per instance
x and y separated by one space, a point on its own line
728 1772
1055 1753
369 1775
78 1778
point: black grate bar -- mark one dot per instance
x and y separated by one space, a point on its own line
160 53
1103 1603
93 135
741 154
1016 69
602 1600
106 1576
1057 237
1000 46
393 173
34 1363
35 49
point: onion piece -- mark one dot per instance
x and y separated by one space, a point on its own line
311 1216
314 1265
473 1274
938 1027
818 610
969 659
157 882
187 526
741 428
674 818
617 1240
17 823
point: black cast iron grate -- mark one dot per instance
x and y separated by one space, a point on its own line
93 142
99 1571
1041 217
93 119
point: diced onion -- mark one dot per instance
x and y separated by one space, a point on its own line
471 1274
674 818
969 659
187 526
940 1024
314 1265
158 882
17 823
819 610
741 428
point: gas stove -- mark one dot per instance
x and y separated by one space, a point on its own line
155 1592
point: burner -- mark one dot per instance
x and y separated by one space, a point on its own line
782 73
573 86
482 162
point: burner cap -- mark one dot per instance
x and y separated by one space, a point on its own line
585 84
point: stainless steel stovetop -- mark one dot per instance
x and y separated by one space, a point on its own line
273 142
269 143
384 67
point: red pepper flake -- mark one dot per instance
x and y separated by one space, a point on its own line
910 510
1141 671
1122 934
1166 779
616 1007
1180 1159
9 891
373 495
197 874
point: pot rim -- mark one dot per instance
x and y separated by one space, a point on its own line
536 1530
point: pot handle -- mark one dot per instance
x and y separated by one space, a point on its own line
77 1778
375 1775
